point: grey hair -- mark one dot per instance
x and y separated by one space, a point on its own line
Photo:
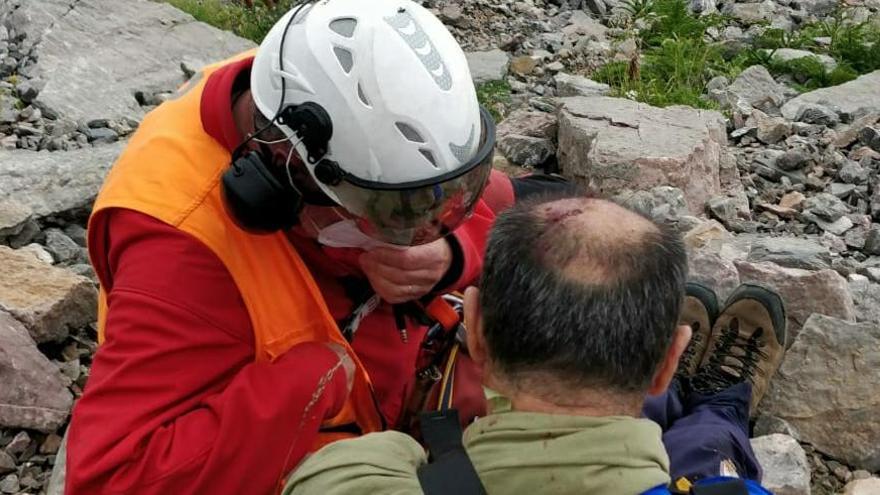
592 308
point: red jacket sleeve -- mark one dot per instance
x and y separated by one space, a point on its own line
175 403
471 237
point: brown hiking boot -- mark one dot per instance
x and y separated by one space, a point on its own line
746 344
699 311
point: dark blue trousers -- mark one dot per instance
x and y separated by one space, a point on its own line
702 431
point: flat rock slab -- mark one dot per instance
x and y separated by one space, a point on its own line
488 66
95 54
791 252
33 394
861 93
826 389
574 85
804 292
54 183
613 144
48 300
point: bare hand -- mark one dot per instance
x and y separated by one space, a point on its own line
401 275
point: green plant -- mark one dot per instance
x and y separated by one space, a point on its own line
672 19
754 56
638 9
676 62
829 28
775 38
809 73
858 45
248 22
495 96
675 73
852 45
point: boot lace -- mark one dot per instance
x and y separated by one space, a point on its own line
690 352
734 360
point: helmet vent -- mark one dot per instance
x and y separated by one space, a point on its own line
362 96
462 152
409 133
429 156
345 58
344 26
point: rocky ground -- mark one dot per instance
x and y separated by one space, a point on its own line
778 188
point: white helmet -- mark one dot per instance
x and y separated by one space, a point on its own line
410 149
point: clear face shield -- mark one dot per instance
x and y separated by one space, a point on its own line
411 213
420 212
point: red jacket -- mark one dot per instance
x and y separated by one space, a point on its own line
171 405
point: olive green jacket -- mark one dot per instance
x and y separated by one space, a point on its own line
513 452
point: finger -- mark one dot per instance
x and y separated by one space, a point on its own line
396 294
414 258
402 277
388 257
397 275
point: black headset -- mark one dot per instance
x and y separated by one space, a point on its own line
259 198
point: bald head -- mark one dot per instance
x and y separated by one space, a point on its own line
581 289
590 240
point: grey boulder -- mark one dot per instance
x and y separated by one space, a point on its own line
826 389
786 471
33 394
614 144
860 94
804 292
48 300
488 65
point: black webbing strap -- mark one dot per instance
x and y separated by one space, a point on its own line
450 470
730 487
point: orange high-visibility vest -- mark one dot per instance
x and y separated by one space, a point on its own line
171 171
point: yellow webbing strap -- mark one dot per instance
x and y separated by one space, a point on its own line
447 384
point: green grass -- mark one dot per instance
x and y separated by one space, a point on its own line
854 46
254 23
676 60
251 23
672 19
809 73
673 73
495 96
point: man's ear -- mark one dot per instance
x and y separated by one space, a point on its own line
663 377
473 321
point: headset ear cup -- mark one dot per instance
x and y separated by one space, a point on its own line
256 199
